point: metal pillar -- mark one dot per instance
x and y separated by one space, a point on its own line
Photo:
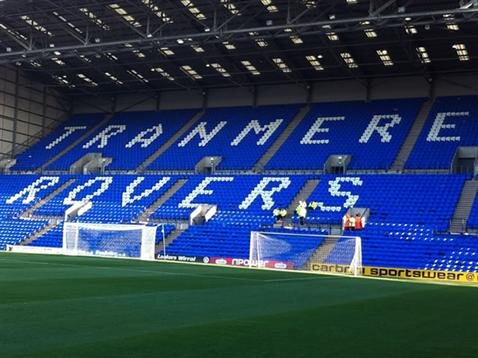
43 112
15 113
205 99
255 94
310 88
158 102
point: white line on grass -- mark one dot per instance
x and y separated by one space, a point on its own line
161 272
317 274
299 279
309 278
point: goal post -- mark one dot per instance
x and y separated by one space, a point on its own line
306 252
109 240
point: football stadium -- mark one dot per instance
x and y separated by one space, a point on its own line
239 178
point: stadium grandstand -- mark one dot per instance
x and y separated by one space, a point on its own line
293 178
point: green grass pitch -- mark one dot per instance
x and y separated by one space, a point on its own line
53 306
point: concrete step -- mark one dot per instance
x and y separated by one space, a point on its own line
321 252
169 239
51 224
31 211
302 195
411 140
144 217
142 167
262 162
457 225
464 206
88 133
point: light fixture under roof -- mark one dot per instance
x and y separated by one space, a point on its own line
13 32
188 70
229 45
87 79
154 8
113 78
110 56
332 36
296 39
68 23
166 51
450 22
314 62
94 18
197 48
193 9
139 53
124 14
385 57
162 72
58 61
63 80
220 69
34 24
452 27
250 67
137 75
348 59
269 5
258 40
368 29
423 55
462 52
411 30
370 33
231 7
310 4
84 58
35 63
279 62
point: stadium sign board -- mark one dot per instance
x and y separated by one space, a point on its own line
402 273
368 271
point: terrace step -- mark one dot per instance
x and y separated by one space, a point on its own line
142 167
76 142
464 206
321 252
273 149
145 215
412 137
30 212
51 224
302 195
169 239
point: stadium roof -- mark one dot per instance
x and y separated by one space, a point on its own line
121 46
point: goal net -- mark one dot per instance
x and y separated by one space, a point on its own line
306 252
109 240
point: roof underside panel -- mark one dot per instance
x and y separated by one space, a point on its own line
119 46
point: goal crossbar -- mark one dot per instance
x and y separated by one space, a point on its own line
306 252
109 240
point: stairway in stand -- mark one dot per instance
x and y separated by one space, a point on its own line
262 162
464 206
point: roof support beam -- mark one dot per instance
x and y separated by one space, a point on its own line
113 45
312 80
381 9
17 40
